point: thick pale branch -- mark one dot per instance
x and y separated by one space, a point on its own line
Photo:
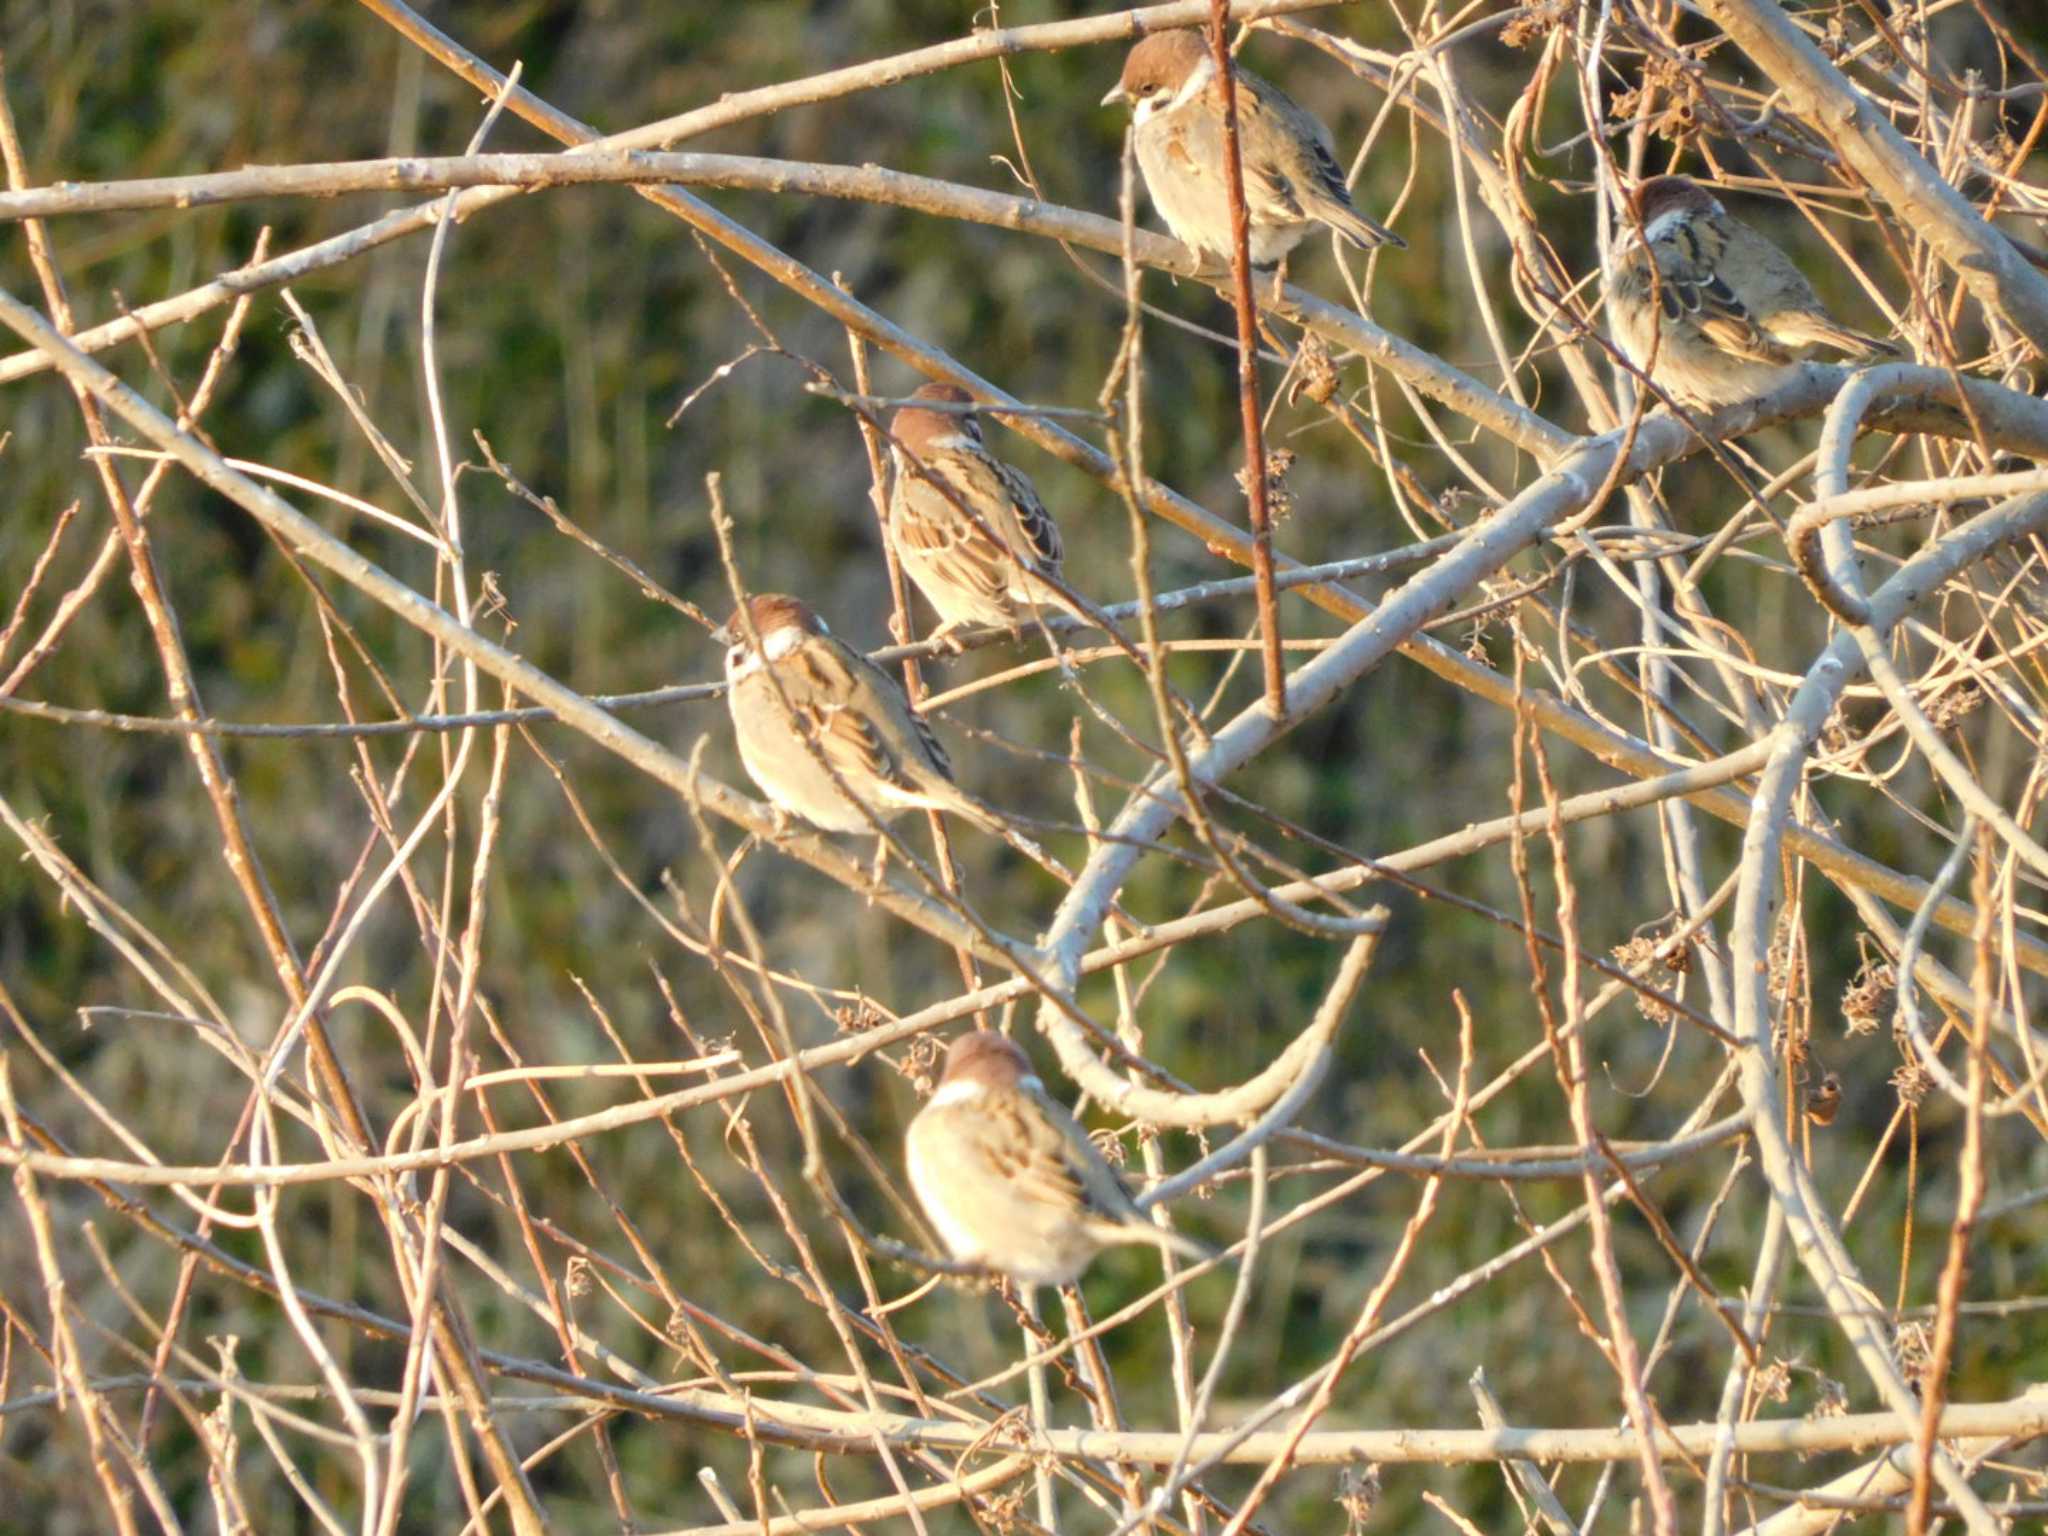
1989 266
1814 1238
1891 1473
493 178
1299 1059
1562 493
309 539
985 43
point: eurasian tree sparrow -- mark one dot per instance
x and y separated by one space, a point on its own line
1726 312
1291 176
1010 1179
985 574
843 711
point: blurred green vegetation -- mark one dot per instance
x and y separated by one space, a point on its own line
572 324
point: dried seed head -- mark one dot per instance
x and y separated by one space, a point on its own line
1954 705
1279 499
1914 1344
1315 375
920 1064
1831 1401
1003 1512
1639 957
1536 22
858 1016
1111 1146
1912 1082
1358 1490
1868 997
1781 958
1669 93
1773 1381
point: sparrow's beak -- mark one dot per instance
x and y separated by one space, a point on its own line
1116 94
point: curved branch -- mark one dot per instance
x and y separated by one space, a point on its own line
1275 1120
1830 482
1301 1059
1818 524
1819 1246
1982 258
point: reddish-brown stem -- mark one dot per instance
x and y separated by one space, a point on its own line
1248 366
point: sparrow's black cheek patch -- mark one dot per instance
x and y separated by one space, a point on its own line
1668 301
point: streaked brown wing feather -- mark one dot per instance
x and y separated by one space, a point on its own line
849 741
1041 535
1295 175
970 558
1316 165
1027 1154
1688 261
843 706
1101 1192
973 554
1807 330
934 753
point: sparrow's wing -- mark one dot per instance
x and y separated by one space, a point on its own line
1815 328
1691 259
1043 1158
1042 1153
1785 305
1290 166
1038 536
1102 1194
981 558
859 717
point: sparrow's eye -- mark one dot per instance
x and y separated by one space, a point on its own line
734 655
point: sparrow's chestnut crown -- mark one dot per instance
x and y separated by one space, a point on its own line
1666 194
770 611
987 1056
1159 66
917 429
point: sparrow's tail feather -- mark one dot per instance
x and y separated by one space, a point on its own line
993 822
1820 331
1139 1229
1186 1247
1358 228
1071 608
1046 594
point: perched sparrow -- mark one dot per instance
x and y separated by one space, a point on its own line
843 711
1291 176
1009 1177
970 574
1727 312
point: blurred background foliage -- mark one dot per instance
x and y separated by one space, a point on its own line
572 325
